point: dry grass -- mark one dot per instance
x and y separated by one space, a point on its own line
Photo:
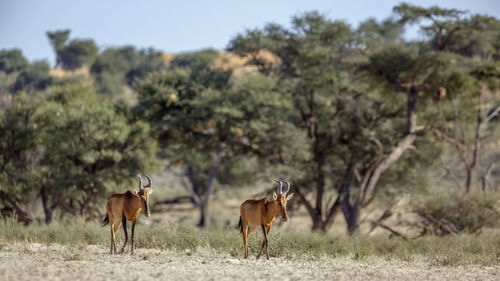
463 250
62 73
31 261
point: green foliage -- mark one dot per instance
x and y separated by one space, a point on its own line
116 68
147 61
114 61
93 150
108 83
454 30
195 60
35 77
73 54
12 60
78 53
18 146
58 39
446 213
488 73
376 35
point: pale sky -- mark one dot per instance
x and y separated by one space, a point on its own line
178 26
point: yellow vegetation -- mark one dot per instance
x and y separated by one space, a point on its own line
167 58
61 72
238 132
172 99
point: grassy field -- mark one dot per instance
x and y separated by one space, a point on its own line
464 250
34 261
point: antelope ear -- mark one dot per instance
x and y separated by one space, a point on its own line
275 196
289 196
151 191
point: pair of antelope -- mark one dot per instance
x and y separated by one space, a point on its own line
121 207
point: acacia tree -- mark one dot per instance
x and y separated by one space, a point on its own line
415 70
12 60
89 150
344 121
471 41
58 41
18 154
73 54
207 124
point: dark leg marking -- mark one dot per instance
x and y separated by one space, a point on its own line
124 222
132 238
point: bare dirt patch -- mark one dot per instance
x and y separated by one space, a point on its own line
56 262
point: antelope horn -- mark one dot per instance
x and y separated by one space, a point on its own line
140 181
150 182
287 188
280 186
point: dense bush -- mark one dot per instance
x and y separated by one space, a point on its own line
452 213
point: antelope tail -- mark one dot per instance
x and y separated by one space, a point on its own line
106 220
240 225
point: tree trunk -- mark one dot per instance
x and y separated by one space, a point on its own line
410 110
46 208
351 212
203 216
330 218
477 142
21 215
321 222
317 223
368 189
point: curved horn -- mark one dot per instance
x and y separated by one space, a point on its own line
287 188
280 186
150 182
140 181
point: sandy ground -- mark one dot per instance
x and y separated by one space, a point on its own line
56 262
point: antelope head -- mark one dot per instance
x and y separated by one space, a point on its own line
282 198
144 192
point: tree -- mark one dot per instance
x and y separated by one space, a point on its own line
207 125
73 54
116 68
33 78
12 60
147 61
466 40
89 150
413 70
18 146
331 106
58 41
78 53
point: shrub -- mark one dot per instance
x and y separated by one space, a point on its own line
452 213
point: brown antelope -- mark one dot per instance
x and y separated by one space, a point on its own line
262 213
121 207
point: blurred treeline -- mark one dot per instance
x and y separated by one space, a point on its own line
349 115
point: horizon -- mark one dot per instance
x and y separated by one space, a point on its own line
111 23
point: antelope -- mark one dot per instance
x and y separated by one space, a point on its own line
121 207
262 213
